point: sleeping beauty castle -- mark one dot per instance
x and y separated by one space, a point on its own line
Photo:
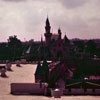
55 46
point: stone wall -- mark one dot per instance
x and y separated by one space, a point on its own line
28 88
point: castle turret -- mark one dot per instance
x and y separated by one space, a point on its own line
59 45
47 32
59 32
39 73
47 27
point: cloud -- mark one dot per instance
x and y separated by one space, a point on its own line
71 4
28 0
78 18
14 0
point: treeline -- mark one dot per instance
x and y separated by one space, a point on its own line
91 47
16 49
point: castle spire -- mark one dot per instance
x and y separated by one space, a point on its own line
41 38
47 32
47 21
47 27
59 32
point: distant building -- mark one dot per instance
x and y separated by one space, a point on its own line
53 73
55 46
42 72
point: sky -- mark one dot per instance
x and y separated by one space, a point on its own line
26 18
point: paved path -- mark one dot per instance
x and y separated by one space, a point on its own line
25 74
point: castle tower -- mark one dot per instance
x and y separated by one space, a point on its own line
47 32
59 45
59 32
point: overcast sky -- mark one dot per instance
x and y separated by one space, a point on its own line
26 18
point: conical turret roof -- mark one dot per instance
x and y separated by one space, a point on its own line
39 69
47 21
45 66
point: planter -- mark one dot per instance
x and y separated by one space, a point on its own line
57 93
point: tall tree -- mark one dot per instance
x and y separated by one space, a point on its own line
14 45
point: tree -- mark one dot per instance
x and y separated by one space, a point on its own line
91 47
80 45
13 41
14 45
